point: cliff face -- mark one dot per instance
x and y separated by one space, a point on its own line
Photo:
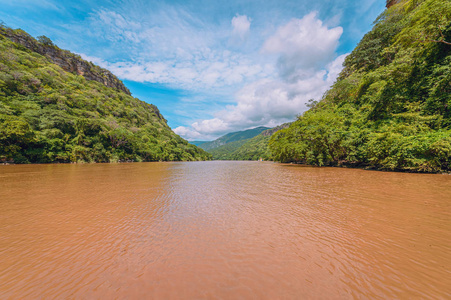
271 131
391 3
68 61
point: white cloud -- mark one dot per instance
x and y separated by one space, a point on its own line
240 28
265 102
197 74
307 67
304 45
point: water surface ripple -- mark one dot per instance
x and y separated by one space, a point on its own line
222 230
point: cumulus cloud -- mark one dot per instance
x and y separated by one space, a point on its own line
240 28
304 45
265 102
307 66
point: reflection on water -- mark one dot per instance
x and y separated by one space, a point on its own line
222 230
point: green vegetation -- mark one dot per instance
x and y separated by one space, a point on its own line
224 152
390 109
232 137
50 115
251 149
254 148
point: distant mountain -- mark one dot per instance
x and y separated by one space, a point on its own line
198 143
249 149
233 137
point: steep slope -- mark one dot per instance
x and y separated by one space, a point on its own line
390 109
48 114
233 137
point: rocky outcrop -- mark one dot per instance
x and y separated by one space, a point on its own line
391 3
66 60
271 131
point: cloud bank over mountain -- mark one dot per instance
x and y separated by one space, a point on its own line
306 65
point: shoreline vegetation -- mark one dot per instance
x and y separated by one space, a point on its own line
389 110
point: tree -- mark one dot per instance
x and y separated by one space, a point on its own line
15 134
45 40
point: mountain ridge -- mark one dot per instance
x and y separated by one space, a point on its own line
70 62
233 137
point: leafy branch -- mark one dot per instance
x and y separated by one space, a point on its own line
440 40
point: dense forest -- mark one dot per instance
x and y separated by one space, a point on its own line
48 114
390 108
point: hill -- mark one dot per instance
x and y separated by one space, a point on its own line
254 148
56 107
390 108
233 137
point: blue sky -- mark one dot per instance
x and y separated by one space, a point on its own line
211 67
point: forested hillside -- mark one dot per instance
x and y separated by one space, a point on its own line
254 148
48 114
232 137
390 108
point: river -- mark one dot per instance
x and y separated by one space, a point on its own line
222 230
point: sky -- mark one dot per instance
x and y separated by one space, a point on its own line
211 67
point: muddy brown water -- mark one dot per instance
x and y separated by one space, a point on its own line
222 230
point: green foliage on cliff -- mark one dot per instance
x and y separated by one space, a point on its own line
390 108
50 115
